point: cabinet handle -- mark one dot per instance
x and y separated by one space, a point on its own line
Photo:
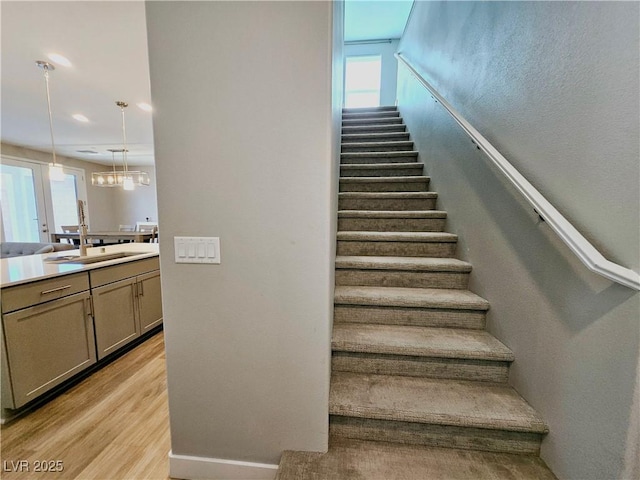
45 292
141 289
89 306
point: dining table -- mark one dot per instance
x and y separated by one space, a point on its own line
108 236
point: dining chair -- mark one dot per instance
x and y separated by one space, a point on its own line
148 227
71 229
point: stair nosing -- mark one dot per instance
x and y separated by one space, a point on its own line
495 353
388 195
398 179
419 237
395 143
533 424
409 264
375 166
391 214
430 298
393 153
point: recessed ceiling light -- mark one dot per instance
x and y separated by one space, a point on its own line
88 152
145 106
81 118
59 59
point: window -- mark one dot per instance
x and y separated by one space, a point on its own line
362 81
32 206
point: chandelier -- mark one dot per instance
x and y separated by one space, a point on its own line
56 172
125 178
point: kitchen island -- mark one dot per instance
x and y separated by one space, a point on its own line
62 315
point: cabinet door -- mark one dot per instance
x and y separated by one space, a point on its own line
149 300
114 315
48 344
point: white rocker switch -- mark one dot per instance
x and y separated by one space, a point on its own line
197 249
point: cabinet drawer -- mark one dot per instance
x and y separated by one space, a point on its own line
22 296
103 276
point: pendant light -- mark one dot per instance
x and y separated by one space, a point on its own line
125 178
56 173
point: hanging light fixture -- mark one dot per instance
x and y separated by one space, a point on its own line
125 178
56 173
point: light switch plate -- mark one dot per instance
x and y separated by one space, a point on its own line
197 249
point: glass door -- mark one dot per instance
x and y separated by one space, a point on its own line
22 202
32 205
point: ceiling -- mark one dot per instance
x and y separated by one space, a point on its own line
106 42
375 19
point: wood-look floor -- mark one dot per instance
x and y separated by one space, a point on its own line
114 425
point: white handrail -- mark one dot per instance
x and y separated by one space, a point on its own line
578 244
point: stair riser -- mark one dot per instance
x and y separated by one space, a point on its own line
383 108
353 116
421 186
419 317
435 435
392 278
387 204
386 137
409 366
397 249
347 160
374 129
372 121
383 172
378 147
391 224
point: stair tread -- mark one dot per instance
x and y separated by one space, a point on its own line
412 178
392 214
388 195
375 128
347 136
380 108
398 236
461 403
369 166
427 264
395 143
373 119
359 459
419 341
398 153
455 299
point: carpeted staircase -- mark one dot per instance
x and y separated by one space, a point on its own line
413 369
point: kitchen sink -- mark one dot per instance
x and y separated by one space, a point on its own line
92 258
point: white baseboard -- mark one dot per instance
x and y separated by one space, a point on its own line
203 468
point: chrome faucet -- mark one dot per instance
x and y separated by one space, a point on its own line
82 229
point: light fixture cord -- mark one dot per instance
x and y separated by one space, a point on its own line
124 144
53 145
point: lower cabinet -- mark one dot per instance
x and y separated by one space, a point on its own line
53 329
149 301
125 309
49 343
114 310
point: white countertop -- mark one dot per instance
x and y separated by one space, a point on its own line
29 268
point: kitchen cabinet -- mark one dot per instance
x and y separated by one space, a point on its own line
127 302
48 334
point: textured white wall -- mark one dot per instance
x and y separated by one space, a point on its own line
555 87
242 97
389 66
